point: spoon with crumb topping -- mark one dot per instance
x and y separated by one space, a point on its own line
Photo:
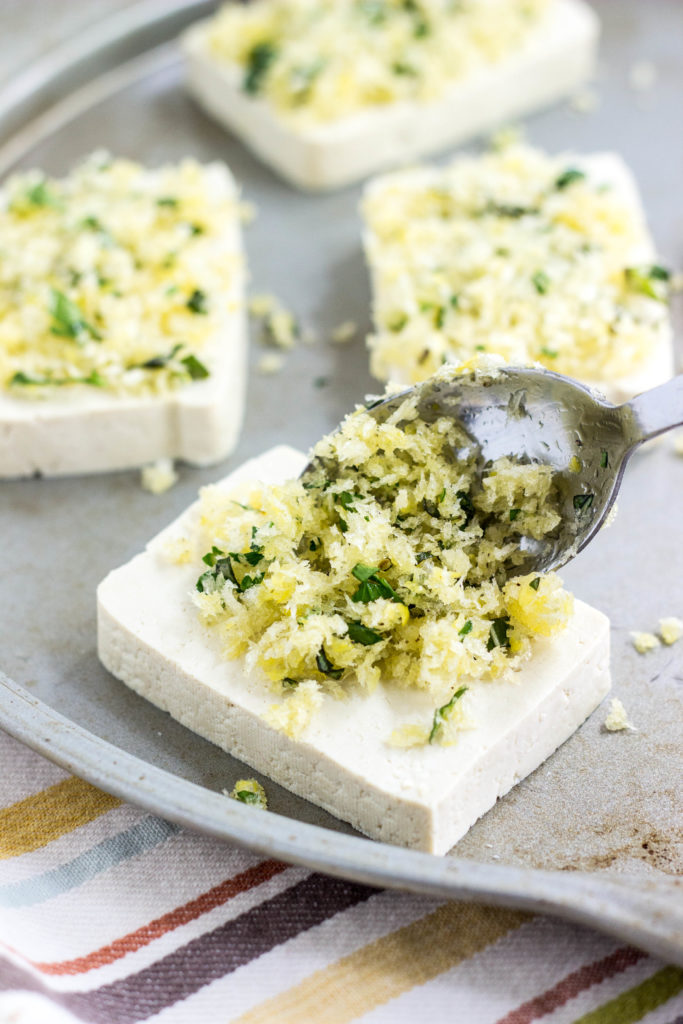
537 416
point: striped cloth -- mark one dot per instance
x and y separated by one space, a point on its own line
110 915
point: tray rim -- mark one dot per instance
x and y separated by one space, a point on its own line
80 72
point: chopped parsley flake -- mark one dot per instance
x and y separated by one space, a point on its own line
541 282
583 501
441 714
68 320
569 177
258 64
326 667
361 634
498 634
197 302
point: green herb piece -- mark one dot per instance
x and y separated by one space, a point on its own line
454 301
314 545
604 459
259 60
421 555
441 714
68 320
195 367
196 229
326 667
289 683
21 379
441 496
321 382
651 281
157 362
467 628
361 634
541 282
40 195
550 353
401 68
346 500
569 177
247 797
514 514
498 633
210 557
535 583
247 582
170 201
508 210
583 501
396 324
467 507
197 302
371 586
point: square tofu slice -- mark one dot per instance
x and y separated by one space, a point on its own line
149 636
122 318
536 258
556 55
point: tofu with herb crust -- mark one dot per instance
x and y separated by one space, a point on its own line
517 253
327 93
122 321
424 796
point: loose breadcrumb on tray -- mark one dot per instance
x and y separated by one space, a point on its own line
617 719
644 642
159 476
670 629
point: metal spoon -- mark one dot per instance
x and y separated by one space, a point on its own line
539 416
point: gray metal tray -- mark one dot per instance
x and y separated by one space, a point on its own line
592 835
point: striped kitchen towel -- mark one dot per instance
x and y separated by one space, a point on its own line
110 915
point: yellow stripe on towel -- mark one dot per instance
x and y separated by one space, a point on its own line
388 967
45 816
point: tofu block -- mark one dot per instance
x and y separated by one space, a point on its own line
396 275
558 55
150 637
85 429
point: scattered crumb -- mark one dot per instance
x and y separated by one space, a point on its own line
670 629
642 76
610 517
617 719
344 332
271 362
585 101
280 327
575 464
249 791
178 550
158 477
248 211
644 642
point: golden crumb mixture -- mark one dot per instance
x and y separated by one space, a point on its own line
115 277
321 60
390 559
515 253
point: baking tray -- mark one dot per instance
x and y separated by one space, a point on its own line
593 834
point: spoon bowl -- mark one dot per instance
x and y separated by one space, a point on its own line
537 416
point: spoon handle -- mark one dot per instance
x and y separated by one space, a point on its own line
657 410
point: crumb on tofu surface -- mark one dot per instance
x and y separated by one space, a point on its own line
389 560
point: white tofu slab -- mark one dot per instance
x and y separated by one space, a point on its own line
557 57
601 168
150 637
85 430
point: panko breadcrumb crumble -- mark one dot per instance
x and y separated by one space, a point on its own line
540 259
389 560
119 279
